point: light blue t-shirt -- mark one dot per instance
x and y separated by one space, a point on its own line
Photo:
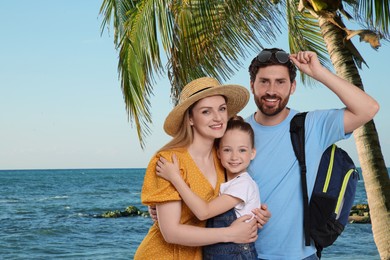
276 171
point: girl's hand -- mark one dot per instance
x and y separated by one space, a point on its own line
262 215
241 231
168 170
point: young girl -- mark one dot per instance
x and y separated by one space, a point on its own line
238 196
195 123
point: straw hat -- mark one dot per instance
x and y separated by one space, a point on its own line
236 98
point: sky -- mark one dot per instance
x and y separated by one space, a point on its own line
61 105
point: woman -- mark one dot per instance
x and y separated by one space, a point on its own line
239 195
199 118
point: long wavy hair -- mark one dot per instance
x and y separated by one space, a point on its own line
184 136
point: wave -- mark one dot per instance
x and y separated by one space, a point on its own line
9 201
54 198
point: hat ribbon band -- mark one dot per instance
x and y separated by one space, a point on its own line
198 92
181 101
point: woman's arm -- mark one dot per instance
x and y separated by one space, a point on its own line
174 232
262 214
202 209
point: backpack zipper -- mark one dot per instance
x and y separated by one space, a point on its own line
330 169
342 192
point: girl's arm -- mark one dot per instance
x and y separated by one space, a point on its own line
174 232
202 209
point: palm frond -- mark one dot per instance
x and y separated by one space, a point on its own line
305 34
213 36
139 57
372 14
199 38
114 13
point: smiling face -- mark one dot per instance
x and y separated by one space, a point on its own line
236 151
272 89
208 117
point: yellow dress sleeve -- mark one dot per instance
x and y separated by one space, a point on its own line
156 189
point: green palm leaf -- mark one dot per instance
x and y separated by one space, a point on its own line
199 38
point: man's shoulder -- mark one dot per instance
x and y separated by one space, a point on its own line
250 118
322 114
292 113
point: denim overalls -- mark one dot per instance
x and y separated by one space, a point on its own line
223 251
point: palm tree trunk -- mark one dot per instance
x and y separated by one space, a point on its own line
377 184
376 178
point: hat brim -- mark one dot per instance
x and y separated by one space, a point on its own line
236 98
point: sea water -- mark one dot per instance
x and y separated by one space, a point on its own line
51 214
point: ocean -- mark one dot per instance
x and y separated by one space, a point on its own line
51 214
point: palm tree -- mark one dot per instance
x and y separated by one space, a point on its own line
207 38
198 37
311 20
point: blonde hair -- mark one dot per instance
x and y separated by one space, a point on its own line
184 137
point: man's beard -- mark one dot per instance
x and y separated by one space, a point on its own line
271 111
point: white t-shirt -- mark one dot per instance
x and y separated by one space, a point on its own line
244 188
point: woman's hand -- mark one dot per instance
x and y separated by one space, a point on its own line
262 215
241 231
168 170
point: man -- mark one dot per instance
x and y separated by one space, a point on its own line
275 167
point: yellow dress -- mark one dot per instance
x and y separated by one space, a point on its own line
157 190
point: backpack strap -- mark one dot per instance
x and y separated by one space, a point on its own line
297 133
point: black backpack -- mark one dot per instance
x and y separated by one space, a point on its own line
333 193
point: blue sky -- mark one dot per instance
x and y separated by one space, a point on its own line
61 104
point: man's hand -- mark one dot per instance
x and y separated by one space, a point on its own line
262 215
153 212
307 62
